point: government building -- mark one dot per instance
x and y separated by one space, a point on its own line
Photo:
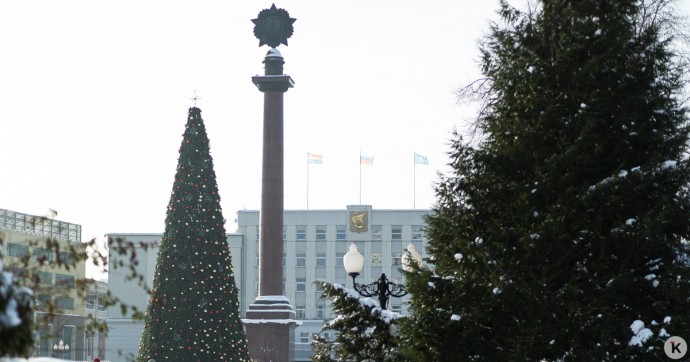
315 242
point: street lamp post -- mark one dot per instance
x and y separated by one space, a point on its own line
382 288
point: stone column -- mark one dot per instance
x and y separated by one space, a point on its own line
270 319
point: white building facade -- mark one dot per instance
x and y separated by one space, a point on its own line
315 242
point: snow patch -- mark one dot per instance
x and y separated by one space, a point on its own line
455 317
641 334
641 337
496 290
663 333
637 326
597 33
668 164
530 69
478 240
630 222
534 236
458 256
667 320
275 321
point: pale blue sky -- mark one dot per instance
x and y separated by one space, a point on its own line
94 97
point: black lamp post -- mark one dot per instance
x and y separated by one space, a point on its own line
382 288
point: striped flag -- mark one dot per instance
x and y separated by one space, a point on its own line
313 158
420 160
366 160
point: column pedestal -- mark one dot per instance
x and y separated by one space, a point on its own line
271 324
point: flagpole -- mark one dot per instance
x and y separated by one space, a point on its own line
414 182
308 180
360 177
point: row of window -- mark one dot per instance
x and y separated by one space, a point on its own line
341 232
39 254
45 278
305 337
320 311
301 259
91 300
64 303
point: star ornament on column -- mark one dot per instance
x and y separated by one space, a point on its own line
273 26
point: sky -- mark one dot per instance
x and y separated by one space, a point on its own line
94 97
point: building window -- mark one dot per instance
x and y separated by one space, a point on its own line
301 233
64 303
68 337
376 232
101 303
90 300
45 332
301 260
66 258
44 277
320 232
299 311
19 273
284 234
320 311
42 301
416 232
396 232
340 232
301 285
396 309
304 337
320 259
397 258
43 255
17 250
376 259
63 280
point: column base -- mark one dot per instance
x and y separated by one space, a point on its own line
270 325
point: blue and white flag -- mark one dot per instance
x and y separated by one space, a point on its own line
420 160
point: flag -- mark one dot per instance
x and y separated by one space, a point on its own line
313 158
420 160
366 160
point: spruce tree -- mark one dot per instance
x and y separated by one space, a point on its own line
193 312
561 232
363 331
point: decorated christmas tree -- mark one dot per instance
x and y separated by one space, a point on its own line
193 312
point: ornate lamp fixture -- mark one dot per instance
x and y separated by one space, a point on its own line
61 346
382 288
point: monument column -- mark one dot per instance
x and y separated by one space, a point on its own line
270 320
